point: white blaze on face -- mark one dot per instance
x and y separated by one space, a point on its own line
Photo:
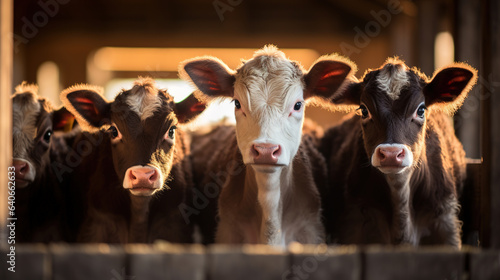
268 87
392 78
143 98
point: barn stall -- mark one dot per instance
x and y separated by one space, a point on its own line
57 44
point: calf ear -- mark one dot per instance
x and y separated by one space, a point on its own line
189 108
62 119
449 87
90 109
327 75
210 75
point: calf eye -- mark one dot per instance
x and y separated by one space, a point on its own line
297 106
171 132
364 111
237 104
47 135
113 131
421 111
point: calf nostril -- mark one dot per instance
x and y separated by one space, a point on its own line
132 175
277 152
153 176
401 155
381 154
255 152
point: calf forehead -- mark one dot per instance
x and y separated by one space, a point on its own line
268 79
392 78
144 99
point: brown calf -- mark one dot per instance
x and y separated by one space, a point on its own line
135 170
395 168
39 203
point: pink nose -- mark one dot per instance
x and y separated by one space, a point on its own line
22 168
144 177
391 156
266 153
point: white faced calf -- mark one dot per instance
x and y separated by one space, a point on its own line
409 193
135 170
275 200
39 195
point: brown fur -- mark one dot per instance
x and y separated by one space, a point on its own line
41 210
362 204
112 213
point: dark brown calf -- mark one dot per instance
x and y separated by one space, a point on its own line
39 195
395 168
134 171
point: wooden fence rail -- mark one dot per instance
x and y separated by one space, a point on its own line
197 262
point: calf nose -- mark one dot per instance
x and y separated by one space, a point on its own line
22 168
265 153
391 156
142 177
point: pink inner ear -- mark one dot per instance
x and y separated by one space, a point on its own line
457 79
198 107
86 104
333 73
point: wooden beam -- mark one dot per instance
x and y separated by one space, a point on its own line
6 57
490 89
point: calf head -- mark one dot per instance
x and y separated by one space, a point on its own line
269 93
140 124
34 121
394 103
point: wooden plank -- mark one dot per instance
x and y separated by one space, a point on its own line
319 262
246 262
6 56
494 85
409 263
485 265
467 45
167 261
95 261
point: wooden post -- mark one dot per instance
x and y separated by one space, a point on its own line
490 91
6 56
468 46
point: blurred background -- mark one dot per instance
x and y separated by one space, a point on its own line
59 43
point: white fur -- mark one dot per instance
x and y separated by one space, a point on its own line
143 98
267 96
393 83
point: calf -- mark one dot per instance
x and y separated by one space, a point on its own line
269 174
39 204
395 168
134 168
